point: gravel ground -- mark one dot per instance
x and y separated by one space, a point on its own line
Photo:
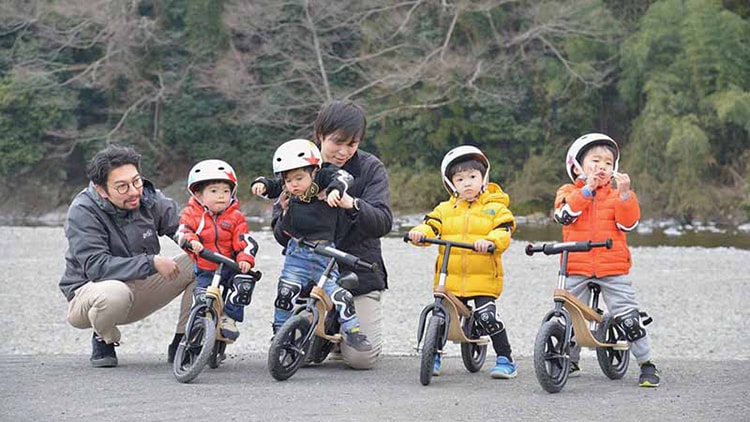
698 297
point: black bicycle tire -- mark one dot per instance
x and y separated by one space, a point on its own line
295 330
203 326
551 361
429 349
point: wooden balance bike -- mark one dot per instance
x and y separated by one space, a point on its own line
570 315
449 319
203 343
312 330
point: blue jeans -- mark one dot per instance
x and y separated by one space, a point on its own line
203 279
303 267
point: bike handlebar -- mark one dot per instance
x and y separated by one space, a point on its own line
221 259
339 255
436 241
556 248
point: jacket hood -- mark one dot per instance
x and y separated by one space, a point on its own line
493 193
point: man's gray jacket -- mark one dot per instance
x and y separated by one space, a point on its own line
108 243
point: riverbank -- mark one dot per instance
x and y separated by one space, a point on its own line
530 228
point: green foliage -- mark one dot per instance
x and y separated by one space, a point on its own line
687 75
205 32
29 108
415 190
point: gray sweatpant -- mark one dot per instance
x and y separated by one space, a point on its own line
619 296
103 305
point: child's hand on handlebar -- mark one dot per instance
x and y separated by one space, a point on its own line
416 237
244 266
196 246
482 245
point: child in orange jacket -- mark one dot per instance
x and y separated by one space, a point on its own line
591 208
213 220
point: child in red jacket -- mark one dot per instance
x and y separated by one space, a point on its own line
591 208
213 220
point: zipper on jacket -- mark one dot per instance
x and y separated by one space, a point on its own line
592 225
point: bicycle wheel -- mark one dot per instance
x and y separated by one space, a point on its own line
320 347
195 348
217 355
551 361
288 347
614 363
430 349
473 354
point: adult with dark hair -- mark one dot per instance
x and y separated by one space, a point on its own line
114 274
339 130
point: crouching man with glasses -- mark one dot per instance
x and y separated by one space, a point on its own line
114 274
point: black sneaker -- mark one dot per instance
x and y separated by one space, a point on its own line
102 354
649 375
574 371
172 349
357 340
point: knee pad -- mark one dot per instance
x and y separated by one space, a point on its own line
344 301
486 316
630 322
287 294
242 292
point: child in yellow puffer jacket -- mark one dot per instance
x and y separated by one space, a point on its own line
476 213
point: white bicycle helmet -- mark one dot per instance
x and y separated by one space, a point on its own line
294 154
463 152
215 170
575 152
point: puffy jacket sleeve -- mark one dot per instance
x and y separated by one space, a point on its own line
627 212
242 242
503 225
432 225
274 187
334 178
188 223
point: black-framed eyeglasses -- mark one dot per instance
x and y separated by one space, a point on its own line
123 188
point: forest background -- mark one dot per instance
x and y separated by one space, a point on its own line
186 80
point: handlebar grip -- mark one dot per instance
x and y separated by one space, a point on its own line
406 237
556 248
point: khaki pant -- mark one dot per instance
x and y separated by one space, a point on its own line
370 313
105 304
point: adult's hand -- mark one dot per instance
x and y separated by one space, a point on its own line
346 202
166 267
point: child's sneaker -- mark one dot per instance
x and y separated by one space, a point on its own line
649 375
574 371
504 368
357 340
436 367
228 328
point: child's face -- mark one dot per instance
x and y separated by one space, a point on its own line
598 162
297 181
468 183
216 196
